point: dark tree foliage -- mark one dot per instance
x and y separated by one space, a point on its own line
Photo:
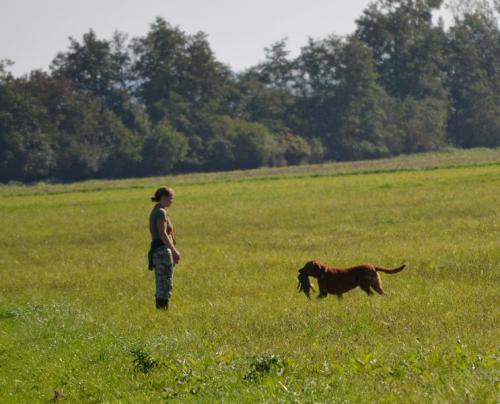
474 81
364 127
178 78
316 85
102 69
26 144
407 47
162 103
94 142
95 66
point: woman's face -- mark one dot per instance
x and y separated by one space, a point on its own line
167 200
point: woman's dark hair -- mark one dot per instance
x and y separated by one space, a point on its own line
162 191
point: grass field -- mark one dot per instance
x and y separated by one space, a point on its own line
77 307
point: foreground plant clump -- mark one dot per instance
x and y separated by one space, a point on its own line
77 316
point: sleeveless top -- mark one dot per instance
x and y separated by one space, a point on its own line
159 213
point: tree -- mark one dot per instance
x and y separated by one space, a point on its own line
460 8
4 73
257 102
277 71
101 68
366 124
178 77
423 123
407 46
92 141
474 80
26 146
95 66
316 84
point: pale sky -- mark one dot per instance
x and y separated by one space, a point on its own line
33 31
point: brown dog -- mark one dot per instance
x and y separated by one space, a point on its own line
337 281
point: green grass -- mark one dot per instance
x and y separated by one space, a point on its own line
77 307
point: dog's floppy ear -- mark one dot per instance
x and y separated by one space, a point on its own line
318 266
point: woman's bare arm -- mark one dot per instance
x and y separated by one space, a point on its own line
161 225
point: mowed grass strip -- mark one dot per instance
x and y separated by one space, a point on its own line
77 307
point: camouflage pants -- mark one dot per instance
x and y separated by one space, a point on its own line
164 270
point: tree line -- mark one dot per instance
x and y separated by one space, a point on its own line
163 103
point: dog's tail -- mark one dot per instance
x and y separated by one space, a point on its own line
390 271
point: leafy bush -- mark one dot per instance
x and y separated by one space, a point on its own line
163 149
237 143
296 149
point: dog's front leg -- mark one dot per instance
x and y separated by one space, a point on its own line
322 290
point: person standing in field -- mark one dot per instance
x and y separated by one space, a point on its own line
163 254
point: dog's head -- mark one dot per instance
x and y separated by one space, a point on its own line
311 268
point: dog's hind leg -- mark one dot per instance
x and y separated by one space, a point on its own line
367 289
377 286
